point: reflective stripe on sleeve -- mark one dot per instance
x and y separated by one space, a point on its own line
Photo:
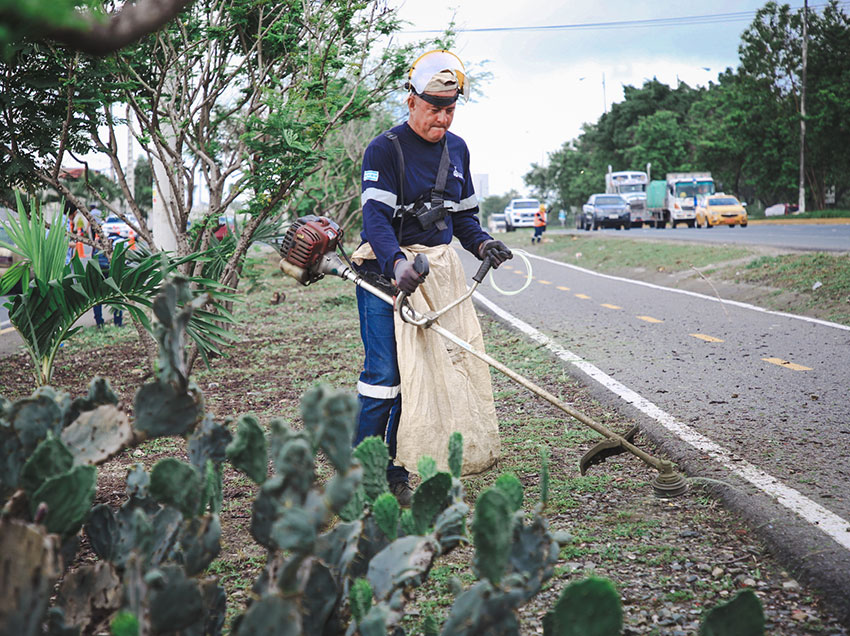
381 196
467 204
378 392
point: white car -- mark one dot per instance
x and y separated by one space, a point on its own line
115 227
520 213
496 223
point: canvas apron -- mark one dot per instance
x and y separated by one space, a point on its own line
444 388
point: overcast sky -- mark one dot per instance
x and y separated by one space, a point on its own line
548 82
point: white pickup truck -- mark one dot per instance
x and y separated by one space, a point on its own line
520 213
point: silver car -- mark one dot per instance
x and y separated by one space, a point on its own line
604 210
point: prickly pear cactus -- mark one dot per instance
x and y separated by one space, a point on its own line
492 532
742 616
590 607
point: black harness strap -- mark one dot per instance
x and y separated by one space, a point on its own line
439 191
399 210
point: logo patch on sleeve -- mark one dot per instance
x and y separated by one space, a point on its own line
370 175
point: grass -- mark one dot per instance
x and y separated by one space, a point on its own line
606 254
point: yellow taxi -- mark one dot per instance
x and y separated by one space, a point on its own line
720 209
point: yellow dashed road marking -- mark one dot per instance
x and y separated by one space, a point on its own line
582 296
702 336
563 288
788 365
650 319
6 330
516 271
611 306
544 282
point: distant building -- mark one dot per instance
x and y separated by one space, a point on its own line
482 185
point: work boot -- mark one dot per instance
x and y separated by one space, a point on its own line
403 493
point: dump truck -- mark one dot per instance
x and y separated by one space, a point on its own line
675 199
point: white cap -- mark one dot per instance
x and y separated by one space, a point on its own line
422 74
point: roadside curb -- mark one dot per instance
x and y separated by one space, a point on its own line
793 221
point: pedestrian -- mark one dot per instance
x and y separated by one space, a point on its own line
417 194
117 314
539 224
562 217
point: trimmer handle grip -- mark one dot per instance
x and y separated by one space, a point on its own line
482 270
421 265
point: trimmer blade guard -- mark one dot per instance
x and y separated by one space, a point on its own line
605 449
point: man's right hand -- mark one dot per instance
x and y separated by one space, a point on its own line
406 277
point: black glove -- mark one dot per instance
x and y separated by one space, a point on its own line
406 277
496 250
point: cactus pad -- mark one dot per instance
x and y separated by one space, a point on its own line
492 531
430 498
373 456
590 607
68 497
249 451
49 459
511 488
742 616
386 512
177 484
163 410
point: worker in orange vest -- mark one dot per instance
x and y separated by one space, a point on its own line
539 224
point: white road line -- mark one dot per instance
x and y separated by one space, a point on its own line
830 523
686 292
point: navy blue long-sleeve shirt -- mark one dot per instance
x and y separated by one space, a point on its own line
380 196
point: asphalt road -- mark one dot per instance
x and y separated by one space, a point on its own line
754 399
829 237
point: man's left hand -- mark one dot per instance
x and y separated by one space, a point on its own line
496 250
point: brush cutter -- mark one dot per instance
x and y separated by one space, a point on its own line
309 252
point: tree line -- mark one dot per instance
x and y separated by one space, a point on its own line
745 128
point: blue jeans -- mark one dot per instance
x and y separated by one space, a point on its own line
117 316
379 388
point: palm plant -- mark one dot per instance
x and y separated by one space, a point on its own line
55 295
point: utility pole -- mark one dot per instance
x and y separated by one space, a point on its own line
604 99
801 201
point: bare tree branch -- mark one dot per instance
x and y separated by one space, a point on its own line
131 23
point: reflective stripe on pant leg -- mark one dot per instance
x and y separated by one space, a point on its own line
380 384
379 387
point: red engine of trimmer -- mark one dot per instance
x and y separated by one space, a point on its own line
306 241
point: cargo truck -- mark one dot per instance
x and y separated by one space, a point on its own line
631 185
675 200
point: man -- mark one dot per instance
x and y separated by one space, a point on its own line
417 194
